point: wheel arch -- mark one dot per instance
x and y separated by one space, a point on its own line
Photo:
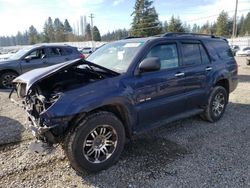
118 110
8 70
223 83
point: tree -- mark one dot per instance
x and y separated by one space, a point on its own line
175 25
33 35
67 27
222 24
247 24
195 29
206 28
59 30
240 26
145 22
165 27
88 35
115 35
96 34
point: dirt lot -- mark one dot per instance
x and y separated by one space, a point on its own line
187 153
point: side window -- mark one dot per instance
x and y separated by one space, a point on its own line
167 53
55 51
204 56
37 54
222 49
67 51
191 54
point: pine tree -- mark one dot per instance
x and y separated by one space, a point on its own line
50 30
33 35
247 24
195 29
240 27
59 30
145 21
67 27
222 24
165 27
88 35
96 34
175 25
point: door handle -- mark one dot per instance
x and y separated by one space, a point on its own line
179 74
208 68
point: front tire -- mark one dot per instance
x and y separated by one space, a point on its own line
6 80
217 103
96 143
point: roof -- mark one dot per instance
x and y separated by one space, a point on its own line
174 35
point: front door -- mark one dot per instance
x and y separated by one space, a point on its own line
161 94
33 60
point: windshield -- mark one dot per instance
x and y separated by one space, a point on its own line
20 53
116 56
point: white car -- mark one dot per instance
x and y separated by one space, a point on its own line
244 52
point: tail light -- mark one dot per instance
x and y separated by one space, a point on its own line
82 56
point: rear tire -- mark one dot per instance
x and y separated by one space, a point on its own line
6 80
96 143
217 103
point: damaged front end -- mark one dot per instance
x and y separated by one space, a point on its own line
39 90
35 105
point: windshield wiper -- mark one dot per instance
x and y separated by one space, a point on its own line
91 65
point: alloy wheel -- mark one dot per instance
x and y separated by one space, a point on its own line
218 104
100 144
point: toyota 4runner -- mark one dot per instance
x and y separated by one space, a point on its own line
126 87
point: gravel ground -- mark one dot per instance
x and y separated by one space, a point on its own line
187 153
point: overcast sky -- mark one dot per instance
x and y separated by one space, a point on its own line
18 15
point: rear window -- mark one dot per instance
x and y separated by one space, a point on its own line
222 49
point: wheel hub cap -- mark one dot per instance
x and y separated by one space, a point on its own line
100 144
218 104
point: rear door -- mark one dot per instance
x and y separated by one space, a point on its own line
160 95
197 69
55 55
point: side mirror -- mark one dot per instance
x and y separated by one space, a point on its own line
150 64
27 58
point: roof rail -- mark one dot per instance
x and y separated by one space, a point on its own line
131 37
176 34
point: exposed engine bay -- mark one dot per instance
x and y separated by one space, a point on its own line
47 90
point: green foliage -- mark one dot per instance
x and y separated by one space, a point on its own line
175 25
222 24
59 30
67 27
246 26
96 34
115 35
33 35
145 22
88 35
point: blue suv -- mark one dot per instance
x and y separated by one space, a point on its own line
126 87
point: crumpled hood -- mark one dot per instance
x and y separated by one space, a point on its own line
31 77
